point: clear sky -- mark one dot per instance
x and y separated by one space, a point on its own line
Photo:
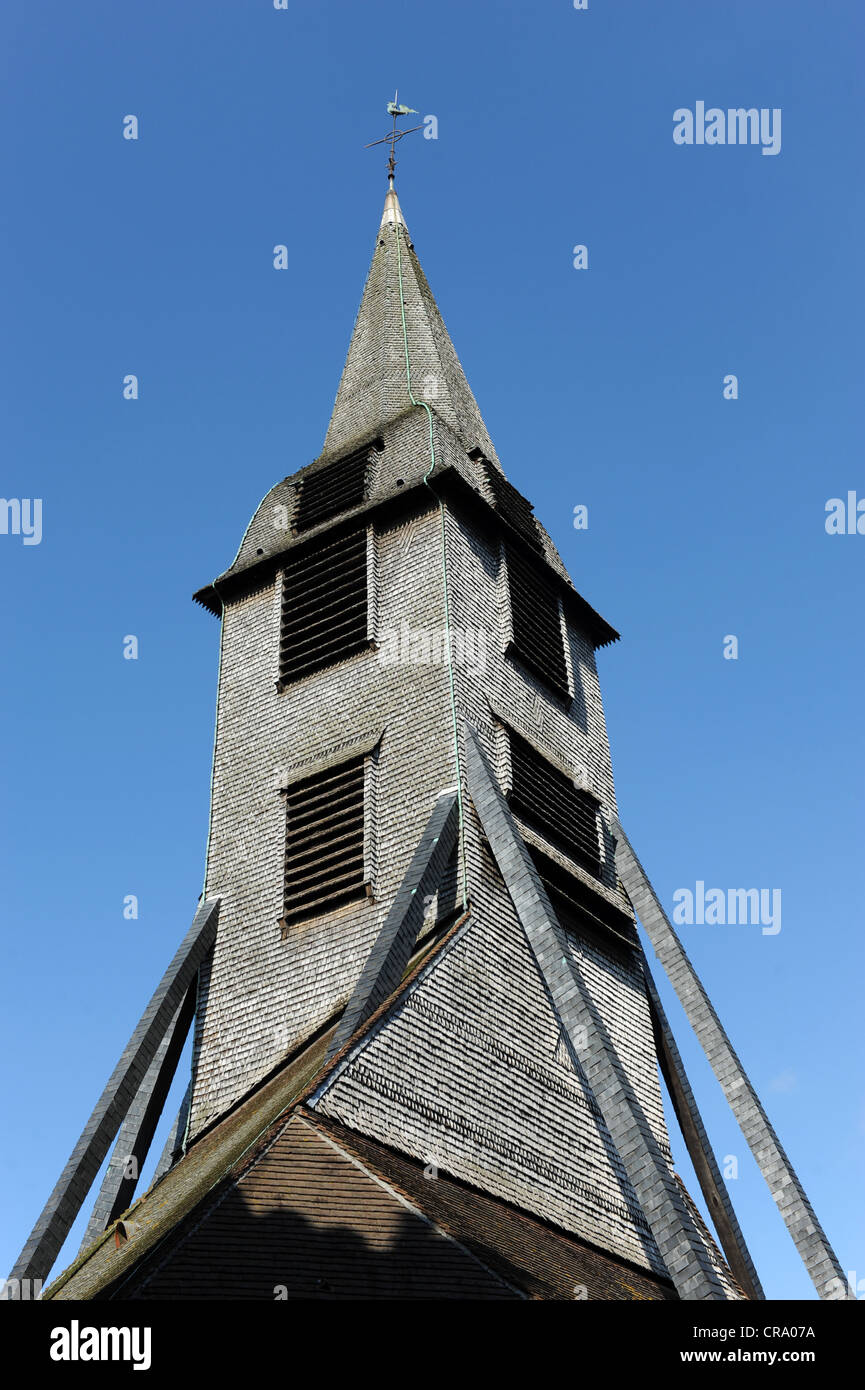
602 387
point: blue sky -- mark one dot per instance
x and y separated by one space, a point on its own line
601 387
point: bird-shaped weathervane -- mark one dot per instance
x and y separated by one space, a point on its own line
395 110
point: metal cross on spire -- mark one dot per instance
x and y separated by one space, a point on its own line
395 110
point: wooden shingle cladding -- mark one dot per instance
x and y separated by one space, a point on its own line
336 488
549 801
324 606
536 626
324 841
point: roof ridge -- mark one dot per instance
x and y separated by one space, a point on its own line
336 1129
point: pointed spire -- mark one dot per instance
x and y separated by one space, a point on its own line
392 214
398 308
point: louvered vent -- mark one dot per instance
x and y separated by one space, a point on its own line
549 801
323 607
537 628
324 841
334 489
512 505
583 912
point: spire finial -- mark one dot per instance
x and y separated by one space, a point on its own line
395 110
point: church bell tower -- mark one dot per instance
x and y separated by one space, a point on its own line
428 1048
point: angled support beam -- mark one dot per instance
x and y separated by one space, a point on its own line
712 1184
682 1250
136 1132
46 1238
385 965
174 1142
810 1240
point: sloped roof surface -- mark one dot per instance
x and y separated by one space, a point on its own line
374 387
308 1221
327 1213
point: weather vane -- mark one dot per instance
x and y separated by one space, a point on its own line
393 109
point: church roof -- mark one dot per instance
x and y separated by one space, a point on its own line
325 1211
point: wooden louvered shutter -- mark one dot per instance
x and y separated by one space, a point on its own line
336 488
584 912
535 622
324 600
324 841
549 801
